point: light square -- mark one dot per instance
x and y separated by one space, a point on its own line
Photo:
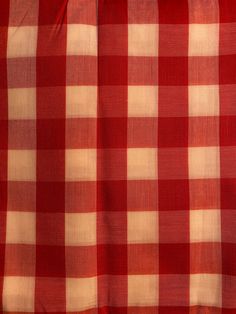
142 163
143 39
204 100
142 101
205 289
22 41
81 39
21 165
81 101
203 39
81 293
80 229
142 290
205 225
81 164
21 227
204 162
18 294
21 103
142 227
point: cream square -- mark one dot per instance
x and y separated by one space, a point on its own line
21 165
18 294
205 225
142 101
203 39
81 294
81 39
81 164
142 163
81 101
143 290
22 41
205 290
21 227
80 229
142 227
143 39
204 162
21 103
204 100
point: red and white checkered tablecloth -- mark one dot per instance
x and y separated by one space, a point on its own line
118 156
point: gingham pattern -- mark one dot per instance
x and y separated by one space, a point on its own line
118 156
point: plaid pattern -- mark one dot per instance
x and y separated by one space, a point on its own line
118 156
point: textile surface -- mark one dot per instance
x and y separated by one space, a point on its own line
118 156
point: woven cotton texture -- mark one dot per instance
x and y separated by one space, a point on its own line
118 156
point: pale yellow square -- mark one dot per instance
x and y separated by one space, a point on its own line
21 165
81 293
142 101
21 103
81 164
142 163
81 39
205 225
143 39
21 227
203 39
204 100
18 294
142 227
205 290
204 162
22 41
142 290
81 101
80 229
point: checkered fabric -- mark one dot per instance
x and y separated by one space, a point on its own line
118 156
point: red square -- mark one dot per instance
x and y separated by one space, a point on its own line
111 227
228 130
4 198
113 40
142 132
227 69
50 228
227 11
87 12
173 12
112 195
173 71
228 258
22 134
173 101
112 70
3 271
112 12
175 310
228 225
112 101
3 70
4 134
3 222
228 193
51 45
173 132
228 294
227 38
173 40
227 161
143 12
205 258
19 260
112 164
50 165
51 71
228 99
3 163
142 259
50 261
21 196
173 194
81 261
112 259
174 258
112 132
203 70
53 293
143 71
50 197
172 163
199 127
174 226
4 12
52 12
142 195
4 99
80 196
